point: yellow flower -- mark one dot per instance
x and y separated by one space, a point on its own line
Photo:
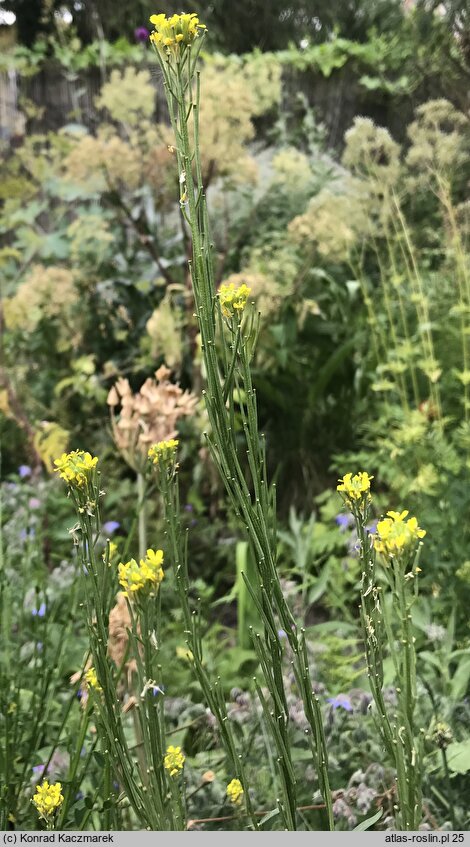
130 577
147 575
174 760
112 552
163 450
175 33
233 299
76 467
397 535
92 679
151 567
184 654
355 488
48 798
235 792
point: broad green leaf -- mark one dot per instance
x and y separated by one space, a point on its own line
458 756
460 679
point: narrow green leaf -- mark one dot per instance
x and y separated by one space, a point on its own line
361 827
272 814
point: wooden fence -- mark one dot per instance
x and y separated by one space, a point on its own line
62 97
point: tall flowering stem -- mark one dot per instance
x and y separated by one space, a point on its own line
163 459
143 776
390 561
228 334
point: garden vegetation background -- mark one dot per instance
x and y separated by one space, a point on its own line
235 270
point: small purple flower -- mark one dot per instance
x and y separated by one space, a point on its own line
39 769
341 701
27 534
24 471
282 633
157 689
343 521
39 612
34 503
59 763
111 526
371 528
39 646
141 34
189 508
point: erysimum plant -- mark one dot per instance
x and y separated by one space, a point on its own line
395 548
41 736
149 778
228 329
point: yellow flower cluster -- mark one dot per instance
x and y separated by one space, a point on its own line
48 798
76 467
235 792
396 535
355 488
163 450
147 575
174 760
233 299
176 32
92 679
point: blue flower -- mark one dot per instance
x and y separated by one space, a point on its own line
24 471
343 521
39 769
111 526
157 689
39 612
27 534
341 701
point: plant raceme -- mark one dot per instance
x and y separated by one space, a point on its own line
386 619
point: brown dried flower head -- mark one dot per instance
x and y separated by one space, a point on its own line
118 636
149 416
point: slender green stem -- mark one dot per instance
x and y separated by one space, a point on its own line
142 515
251 496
